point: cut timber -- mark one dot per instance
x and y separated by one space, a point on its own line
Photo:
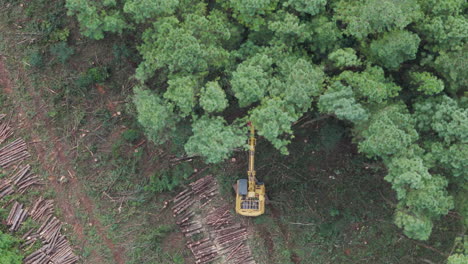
13 152
16 217
222 238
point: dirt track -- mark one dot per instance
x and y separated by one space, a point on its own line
54 161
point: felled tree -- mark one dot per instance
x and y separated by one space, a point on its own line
394 48
213 139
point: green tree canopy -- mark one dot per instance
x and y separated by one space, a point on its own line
9 253
213 139
394 70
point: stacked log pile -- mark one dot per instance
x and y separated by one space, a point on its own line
230 237
220 236
19 182
42 209
55 247
58 253
5 131
13 152
24 178
16 217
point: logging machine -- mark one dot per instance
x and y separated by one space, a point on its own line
250 194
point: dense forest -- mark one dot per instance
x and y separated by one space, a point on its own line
366 83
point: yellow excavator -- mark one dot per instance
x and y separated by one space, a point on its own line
250 194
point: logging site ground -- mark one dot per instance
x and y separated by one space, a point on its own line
116 192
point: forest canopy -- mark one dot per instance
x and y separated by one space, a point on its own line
395 71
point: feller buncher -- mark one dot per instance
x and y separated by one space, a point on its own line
250 194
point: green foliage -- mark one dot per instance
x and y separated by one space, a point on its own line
390 131
251 79
288 28
407 173
97 17
131 135
447 7
370 84
120 51
394 48
213 139
149 246
444 116
93 76
311 7
155 115
62 51
59 35
9 253
444 33
273 119
330 135
181 92
453 158
326 35
339 100
453 66
376 16
147 9
302 81
426 83
251 13
414 226
181 48
267 61
213 98
167 180
36 59
457 259
343 58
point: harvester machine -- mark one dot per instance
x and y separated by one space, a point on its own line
250 194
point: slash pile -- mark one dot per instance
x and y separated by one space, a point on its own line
221 238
